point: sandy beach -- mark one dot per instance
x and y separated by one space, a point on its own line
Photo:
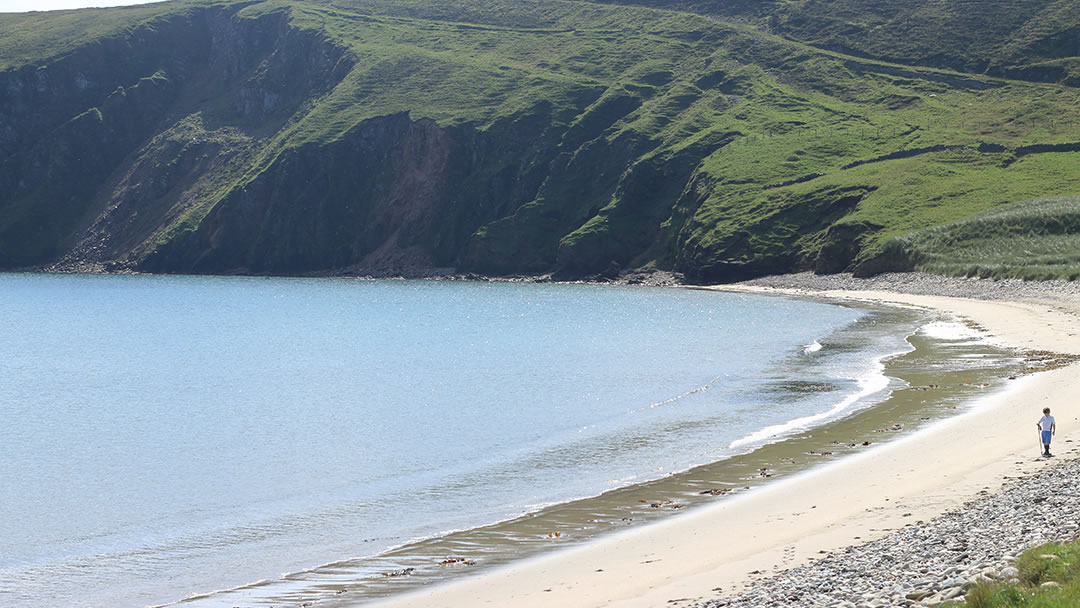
723 548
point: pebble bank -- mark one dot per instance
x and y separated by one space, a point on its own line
929 563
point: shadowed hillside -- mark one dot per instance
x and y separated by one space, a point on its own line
1031 40
400 136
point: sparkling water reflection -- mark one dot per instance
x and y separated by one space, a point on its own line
169 436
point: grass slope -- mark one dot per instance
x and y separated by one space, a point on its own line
1037 239
1049 578
581 137
1032 40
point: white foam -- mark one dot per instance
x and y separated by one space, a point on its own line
868 385
674 399
952 330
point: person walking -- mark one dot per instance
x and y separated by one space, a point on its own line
1048 427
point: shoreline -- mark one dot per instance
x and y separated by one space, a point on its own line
445 558
720 549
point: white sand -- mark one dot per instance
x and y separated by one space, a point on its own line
720 548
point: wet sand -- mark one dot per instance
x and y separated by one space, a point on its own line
725 547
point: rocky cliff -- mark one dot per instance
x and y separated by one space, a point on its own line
389 137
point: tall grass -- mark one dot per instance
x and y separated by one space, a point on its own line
1058 564
1035 240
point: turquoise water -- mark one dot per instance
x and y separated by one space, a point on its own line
170 436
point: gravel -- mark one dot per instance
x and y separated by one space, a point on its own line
928 563
924 284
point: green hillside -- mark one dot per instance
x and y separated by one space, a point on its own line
1029 240
720 140
1034 39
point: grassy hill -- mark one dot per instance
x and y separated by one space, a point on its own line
1034 39
1037 239
722 140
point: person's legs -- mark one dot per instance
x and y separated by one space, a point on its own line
1046 442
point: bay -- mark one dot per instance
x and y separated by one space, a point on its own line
171 436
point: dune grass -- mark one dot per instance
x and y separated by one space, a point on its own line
1057 564
1036 240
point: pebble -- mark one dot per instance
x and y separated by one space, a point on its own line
931 562
923 284
919 565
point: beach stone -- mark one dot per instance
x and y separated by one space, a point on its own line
953 593
928 563
1050 585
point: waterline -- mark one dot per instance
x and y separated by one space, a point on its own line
193 433
886 407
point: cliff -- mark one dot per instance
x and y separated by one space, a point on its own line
719 140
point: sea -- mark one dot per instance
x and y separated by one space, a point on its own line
206 442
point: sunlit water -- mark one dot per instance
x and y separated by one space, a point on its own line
170 436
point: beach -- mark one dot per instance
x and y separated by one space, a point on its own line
717 551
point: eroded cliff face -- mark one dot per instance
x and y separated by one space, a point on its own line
392 195
176 172
92 165
170 161
358 200
353 137
770 246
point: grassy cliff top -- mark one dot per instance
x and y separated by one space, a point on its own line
733 131
1035 39
1038 38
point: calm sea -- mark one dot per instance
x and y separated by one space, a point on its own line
170 436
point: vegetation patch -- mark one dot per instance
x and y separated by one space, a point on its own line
1037 240
580 138
1049 578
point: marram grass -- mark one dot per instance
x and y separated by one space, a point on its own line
1049 578
1034 240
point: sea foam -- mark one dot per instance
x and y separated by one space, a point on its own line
870 383
951 330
